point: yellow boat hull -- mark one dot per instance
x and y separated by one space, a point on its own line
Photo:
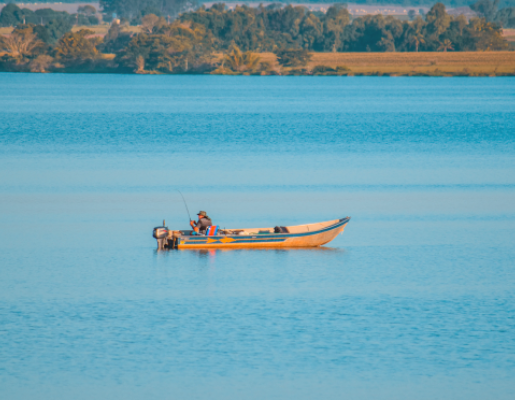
310 235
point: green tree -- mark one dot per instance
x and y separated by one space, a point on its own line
374 33
87 10
115 40
13 15
438 21
75 46
506 17
485 36
455 33
57 28
387 43
46 15
10 15
486 9
336 19
311 30
132 9
174 49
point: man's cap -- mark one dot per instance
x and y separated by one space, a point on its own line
203 213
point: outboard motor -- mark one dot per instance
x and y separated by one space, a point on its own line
161 234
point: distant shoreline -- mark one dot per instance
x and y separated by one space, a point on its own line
257 41
446 64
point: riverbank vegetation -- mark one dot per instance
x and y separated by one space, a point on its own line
264 40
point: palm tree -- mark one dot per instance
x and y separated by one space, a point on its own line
239 61
446 45
417 38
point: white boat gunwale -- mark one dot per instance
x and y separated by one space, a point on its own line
340 222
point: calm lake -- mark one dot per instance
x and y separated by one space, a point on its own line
415 300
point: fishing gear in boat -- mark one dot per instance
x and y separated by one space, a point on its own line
185 205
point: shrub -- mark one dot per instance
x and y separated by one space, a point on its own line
326 70
293 57
323 70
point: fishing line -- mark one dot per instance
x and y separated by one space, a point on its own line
185 205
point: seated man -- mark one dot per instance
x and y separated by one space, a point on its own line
203 222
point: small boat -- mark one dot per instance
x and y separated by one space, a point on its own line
309 235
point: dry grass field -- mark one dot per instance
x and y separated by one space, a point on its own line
6 30
441 63
98 29
509 34
101 30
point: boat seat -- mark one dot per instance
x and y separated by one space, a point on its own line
212 230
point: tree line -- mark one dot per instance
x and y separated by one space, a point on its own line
158 5
269 28
414 3
132 11
13 15
225 41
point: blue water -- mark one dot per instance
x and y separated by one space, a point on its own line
416 299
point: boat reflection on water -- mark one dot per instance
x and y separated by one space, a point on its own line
203 253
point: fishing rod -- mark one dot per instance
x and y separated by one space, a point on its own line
185 205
